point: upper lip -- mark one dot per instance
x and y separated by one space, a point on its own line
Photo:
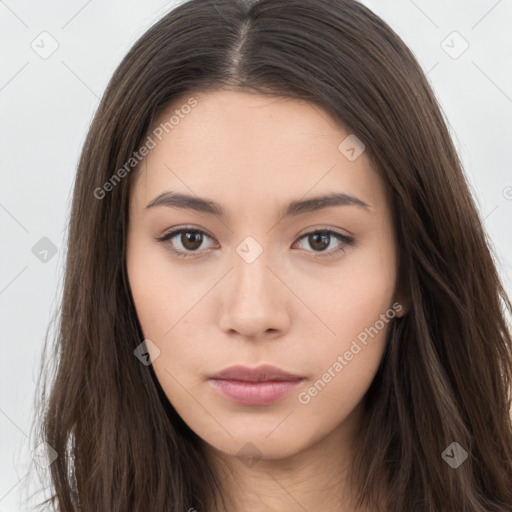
261 373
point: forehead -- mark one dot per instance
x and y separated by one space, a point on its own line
243 148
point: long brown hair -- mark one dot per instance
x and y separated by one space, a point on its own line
446 374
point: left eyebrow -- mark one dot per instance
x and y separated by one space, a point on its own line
177 200
320 202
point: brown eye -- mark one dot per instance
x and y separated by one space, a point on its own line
320 240
185 242
189 241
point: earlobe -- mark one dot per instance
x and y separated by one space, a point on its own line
400 306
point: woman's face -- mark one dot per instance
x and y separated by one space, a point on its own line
254 285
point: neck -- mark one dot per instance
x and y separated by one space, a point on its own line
315 478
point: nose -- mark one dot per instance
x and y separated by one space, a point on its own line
254 300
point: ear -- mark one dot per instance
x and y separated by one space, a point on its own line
401 304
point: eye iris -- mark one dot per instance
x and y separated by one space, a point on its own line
192 237
315 238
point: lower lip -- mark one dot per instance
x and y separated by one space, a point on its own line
255 393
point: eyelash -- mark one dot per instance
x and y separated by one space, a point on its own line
348 240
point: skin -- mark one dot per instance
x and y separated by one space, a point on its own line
253 154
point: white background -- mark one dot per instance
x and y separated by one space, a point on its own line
47 106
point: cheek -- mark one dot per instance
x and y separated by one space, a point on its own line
164 295
149 293
352 296
161 293
355 306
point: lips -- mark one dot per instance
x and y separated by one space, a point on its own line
261 373
255 386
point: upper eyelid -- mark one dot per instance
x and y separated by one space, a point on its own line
176 231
